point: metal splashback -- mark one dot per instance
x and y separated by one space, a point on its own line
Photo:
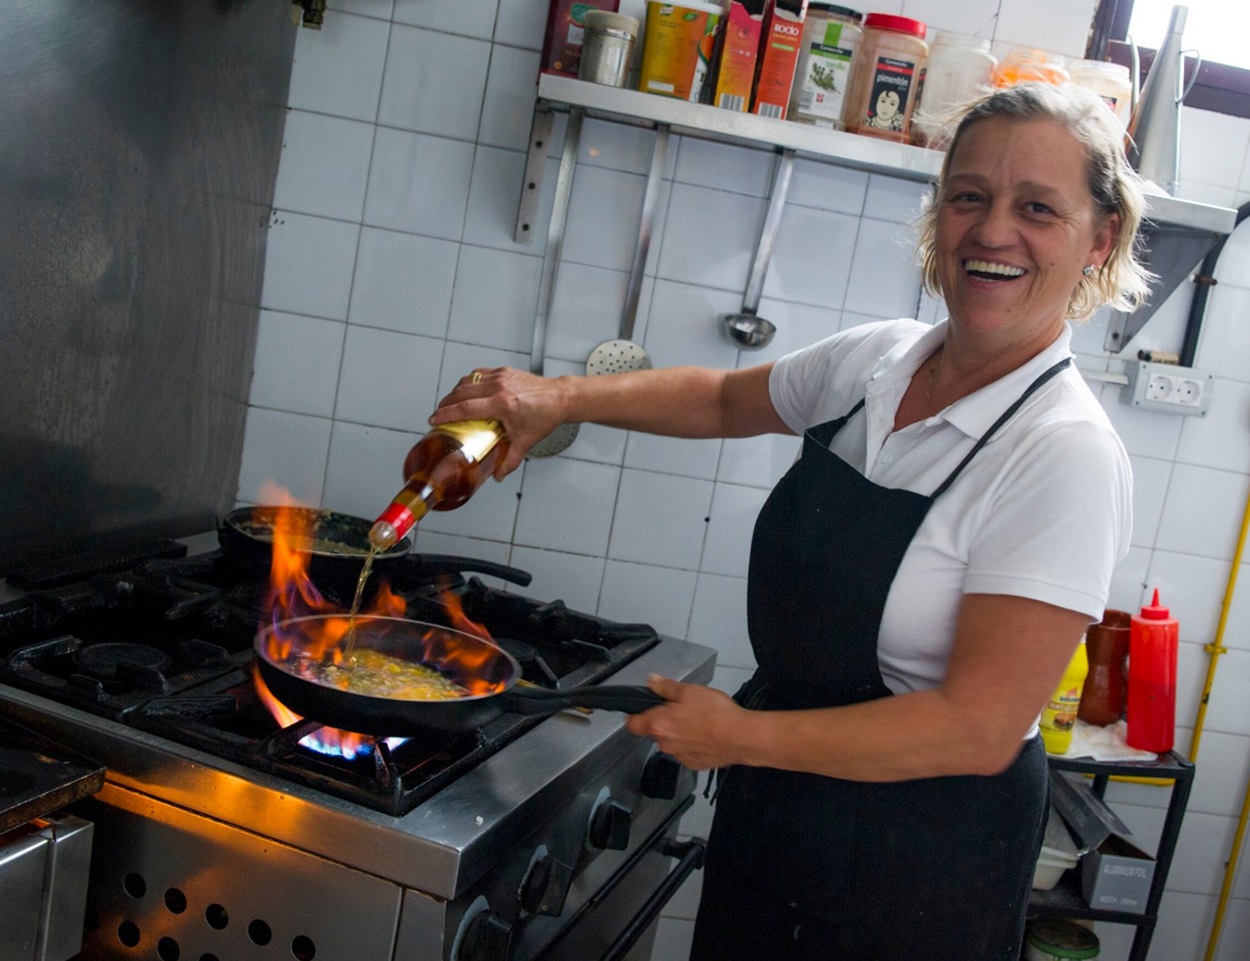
139 143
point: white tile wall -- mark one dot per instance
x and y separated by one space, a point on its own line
391 271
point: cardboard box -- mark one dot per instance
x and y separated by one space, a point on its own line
780 45
737 50
1115 874
562 43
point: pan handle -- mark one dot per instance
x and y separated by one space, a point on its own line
627 698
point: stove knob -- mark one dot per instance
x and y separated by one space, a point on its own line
660 776
487 938
546 886
609 826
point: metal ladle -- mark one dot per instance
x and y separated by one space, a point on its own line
747 328
622 354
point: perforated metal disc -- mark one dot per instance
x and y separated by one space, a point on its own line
556 442
616 356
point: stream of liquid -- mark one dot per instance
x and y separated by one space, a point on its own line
349 641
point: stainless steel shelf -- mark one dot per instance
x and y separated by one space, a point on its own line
714 123
1177 233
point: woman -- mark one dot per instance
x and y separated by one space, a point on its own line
921 576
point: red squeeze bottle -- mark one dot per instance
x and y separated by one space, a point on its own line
1152 644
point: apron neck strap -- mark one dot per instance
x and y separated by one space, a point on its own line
1006 416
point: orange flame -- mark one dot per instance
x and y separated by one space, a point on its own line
292 595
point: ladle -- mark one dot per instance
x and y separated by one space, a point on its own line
615 356
564 435
747 328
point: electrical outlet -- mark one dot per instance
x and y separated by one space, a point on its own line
1168 388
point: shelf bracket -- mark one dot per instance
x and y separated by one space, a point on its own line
535 167
646 225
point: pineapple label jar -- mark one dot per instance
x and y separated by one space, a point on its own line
830 37
885 77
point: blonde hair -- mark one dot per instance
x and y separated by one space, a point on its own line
1122 282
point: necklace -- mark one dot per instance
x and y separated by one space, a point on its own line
933 367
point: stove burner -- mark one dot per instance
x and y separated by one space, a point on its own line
104 660
524 653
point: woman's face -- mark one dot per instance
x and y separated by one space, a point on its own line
887 104
1015 227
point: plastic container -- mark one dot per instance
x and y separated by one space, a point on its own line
607 47
1059 715
1106 685
677 45
1028 63
1111 81
830 38
1059 853
885 75
958 68
1154 635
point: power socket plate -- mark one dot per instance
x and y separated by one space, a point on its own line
1168 388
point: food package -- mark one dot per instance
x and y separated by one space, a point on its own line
737 52
562 43
780 45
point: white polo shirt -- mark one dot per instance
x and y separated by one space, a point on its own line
1043 511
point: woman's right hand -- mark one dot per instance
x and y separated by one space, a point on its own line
529 406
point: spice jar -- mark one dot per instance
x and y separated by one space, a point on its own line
1111 81
830 37
607 47
1059 939
957 69
1105 691
884 76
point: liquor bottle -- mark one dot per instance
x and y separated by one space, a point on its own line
444 469
1152 644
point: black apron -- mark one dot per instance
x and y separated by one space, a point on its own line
804 866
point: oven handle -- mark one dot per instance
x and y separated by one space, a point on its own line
691 859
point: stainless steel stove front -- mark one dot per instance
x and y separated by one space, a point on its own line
198 858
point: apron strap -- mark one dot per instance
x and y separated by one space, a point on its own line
1006 416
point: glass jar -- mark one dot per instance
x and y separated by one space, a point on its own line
1027 63
958 68
885 73
1111 81
830 37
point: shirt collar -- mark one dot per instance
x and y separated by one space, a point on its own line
976 413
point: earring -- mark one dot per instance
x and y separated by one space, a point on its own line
1089 270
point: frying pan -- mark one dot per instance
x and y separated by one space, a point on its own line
246 537
287 650
340 541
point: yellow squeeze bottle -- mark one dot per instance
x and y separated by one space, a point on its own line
1059 715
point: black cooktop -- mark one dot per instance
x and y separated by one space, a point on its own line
164 644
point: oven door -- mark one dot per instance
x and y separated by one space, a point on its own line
619 922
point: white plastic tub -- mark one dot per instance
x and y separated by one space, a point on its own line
1059 853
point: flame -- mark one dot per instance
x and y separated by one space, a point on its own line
292 594
320 627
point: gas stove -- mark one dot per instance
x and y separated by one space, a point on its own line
220 828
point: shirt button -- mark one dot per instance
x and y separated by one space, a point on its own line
887 458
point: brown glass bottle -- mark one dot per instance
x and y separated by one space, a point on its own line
444 469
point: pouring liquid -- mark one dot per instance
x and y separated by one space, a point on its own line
349 640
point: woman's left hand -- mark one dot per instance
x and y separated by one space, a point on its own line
695 726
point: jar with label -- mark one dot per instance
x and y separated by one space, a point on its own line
958 68
885 75
1111 81
830 36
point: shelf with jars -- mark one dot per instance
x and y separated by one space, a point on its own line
1177 233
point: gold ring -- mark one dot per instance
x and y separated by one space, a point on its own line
475 377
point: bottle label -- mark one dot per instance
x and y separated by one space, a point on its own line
475 437
823 78
892 81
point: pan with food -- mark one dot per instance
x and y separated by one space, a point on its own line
394 677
